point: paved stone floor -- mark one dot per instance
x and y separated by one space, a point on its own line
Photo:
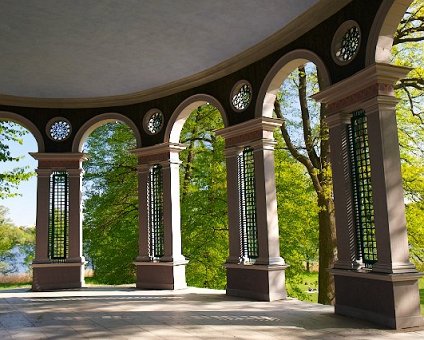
126 313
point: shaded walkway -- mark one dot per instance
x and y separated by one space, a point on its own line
125 313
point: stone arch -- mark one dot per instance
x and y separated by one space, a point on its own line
386 21
279 72
99 120
27 124
181 113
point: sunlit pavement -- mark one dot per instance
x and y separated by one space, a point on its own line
193 313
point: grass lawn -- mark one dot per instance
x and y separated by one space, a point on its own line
15 285
309 286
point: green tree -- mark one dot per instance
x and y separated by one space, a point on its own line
204 200
14 240
111 204
9 180
407 50
305 134
298 217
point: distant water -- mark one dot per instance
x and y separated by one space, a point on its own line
18 260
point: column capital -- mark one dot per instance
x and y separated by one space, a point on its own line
263 144
349 94
380 103
338 119
257 129
59 160
75 172
159 153
43 172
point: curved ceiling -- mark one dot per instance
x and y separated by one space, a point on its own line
86 49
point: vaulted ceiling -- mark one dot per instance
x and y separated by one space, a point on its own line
85 49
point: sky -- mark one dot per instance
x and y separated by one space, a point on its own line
22 208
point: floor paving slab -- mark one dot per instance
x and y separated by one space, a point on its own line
193 313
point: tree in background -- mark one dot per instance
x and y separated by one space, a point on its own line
13 241
407 50
305 135
204 199
297 216
110 227
9 180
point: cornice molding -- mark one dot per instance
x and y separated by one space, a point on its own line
379 73
158 148
59 156
299 26
253 125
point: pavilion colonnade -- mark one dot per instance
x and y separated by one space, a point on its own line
374 279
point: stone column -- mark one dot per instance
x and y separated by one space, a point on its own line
262 278
389 209
168 271
75 215
42 218
342 184
388 293
49 273
266 200
143 235
231 155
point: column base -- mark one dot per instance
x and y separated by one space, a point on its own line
390 300
259 282
161 275
51 276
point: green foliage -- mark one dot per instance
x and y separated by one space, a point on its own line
111 207
15 285
305 136
204 200
9 180
298 218
305 287
14 240
415 225
407 51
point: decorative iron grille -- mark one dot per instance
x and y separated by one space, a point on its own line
155 212
362 189
59 216
247 196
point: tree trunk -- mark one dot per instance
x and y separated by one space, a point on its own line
317 167
327 249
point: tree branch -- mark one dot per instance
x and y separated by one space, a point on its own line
293 150
306 120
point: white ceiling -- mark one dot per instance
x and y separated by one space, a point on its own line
88 48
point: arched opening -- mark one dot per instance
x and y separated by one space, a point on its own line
182 112
204 223
110 225
303 176
18 190
380 42
99 120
